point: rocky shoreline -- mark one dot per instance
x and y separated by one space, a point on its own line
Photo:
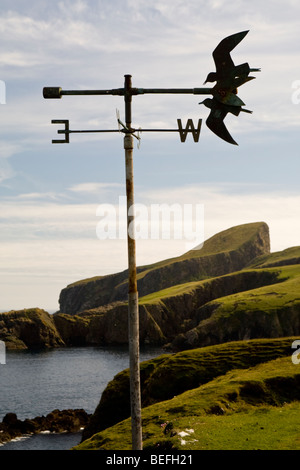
58 421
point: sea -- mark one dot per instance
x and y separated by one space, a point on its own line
34 383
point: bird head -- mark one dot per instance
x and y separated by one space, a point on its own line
211 77
207 102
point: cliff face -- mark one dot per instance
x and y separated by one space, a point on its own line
231 302
259 303
265 312
164 316
223 253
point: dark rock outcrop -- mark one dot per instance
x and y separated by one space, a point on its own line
29 329
57 422
280 322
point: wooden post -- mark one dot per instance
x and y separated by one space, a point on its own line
133 309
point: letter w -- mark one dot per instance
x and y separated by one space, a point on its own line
189 128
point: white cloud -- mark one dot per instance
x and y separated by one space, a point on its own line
226 206
6 172
93 187
7 149
71 8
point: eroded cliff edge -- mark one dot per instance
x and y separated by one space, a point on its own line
225 252
173 295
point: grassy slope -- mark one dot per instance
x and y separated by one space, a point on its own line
285 293
279 298
256 408
283 274
288 256
225 241
172 374
228 240
189 287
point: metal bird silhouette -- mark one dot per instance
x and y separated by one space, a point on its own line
215 120
225 68
228 78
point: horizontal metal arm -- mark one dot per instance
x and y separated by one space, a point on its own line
57 92
183 132
177 91
124 131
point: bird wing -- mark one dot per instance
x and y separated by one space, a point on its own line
221 54
215 122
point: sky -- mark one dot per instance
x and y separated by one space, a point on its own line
50 194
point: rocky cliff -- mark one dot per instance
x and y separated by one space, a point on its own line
260 300
171 294
225 252
272 310
29 329
250 303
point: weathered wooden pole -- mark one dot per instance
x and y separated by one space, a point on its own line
133 309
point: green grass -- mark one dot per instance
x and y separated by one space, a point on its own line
176 373
256 408
288 256
170 375
228 240
191 287
285 293
230 396
264 428
173 291
225 241
283 274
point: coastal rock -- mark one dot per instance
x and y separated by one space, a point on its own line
162 318
216 309
109 326
178 291
57 422
29 329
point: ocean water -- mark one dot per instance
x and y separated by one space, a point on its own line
35 383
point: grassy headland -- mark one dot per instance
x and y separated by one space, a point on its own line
254 408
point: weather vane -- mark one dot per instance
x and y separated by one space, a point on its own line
228 78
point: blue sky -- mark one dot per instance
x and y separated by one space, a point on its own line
49 193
